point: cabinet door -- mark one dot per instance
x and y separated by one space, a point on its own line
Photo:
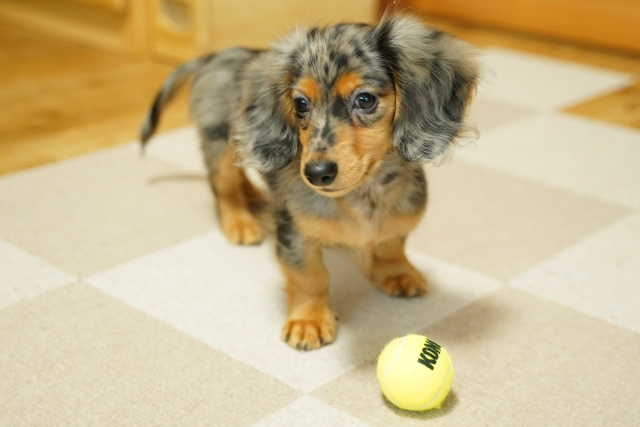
182 29
257 23
114 25
178 29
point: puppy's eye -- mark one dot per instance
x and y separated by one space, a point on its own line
302 105
365 101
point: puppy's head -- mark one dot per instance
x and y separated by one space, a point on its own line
342 96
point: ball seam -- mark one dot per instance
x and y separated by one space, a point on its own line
446 378
384 376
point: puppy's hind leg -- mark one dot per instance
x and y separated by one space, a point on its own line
233 193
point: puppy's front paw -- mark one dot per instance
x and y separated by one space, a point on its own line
310 331
241 228
401 281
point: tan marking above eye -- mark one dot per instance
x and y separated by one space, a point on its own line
347 83
309 87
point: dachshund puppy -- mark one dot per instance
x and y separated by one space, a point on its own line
338 121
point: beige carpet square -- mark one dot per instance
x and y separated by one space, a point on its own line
180 147
535 81
591 158
23 276
519 361
309 411
96 211
488 114
75 357
600 275
500 225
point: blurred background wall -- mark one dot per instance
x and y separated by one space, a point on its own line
174 30
605 23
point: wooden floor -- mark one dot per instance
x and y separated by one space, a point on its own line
59 100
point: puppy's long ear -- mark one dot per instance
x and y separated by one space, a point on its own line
434 76
264 136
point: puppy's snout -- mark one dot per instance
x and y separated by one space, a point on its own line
321 173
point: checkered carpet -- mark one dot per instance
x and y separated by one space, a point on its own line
121 303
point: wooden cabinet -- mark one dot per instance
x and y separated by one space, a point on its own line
112 25
175 30
179 29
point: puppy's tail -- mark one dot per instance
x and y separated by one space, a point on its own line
166 92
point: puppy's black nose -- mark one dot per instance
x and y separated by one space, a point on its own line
321 173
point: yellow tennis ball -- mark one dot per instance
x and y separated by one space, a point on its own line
415 373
